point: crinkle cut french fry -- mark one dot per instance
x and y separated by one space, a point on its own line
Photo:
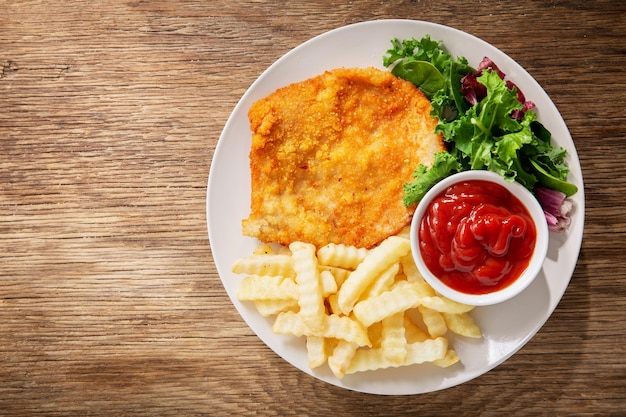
269 308
337 327
256 287
275 265
341 256
329 285
400 298
450 359
382 283
427 351
316 351
435 324
342 355
377 260
462 324
445 305
311 302
393 342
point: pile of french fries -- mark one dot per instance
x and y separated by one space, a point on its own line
359 309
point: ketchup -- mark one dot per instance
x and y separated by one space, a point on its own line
476 237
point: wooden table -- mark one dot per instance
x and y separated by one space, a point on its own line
109 301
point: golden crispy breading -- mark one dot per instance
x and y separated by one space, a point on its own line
330 154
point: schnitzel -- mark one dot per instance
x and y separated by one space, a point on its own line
330 155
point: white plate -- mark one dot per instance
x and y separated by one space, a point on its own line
507 327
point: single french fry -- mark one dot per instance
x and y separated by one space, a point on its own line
433 320
342 355
448 360
462 324
376 261
445 305
312 308
316 351
400 298
333 305
269 308
341 256
255 287
382 283
345 328
427 351
393 341
275 265
337 327
329 285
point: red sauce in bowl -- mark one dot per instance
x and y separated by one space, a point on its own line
476 237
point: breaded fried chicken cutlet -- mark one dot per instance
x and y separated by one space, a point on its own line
330 155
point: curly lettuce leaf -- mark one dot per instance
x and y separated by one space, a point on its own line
424 178
491 138
485 120
424 49
430 67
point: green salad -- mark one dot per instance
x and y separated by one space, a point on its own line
486 123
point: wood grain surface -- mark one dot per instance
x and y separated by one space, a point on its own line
110 303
